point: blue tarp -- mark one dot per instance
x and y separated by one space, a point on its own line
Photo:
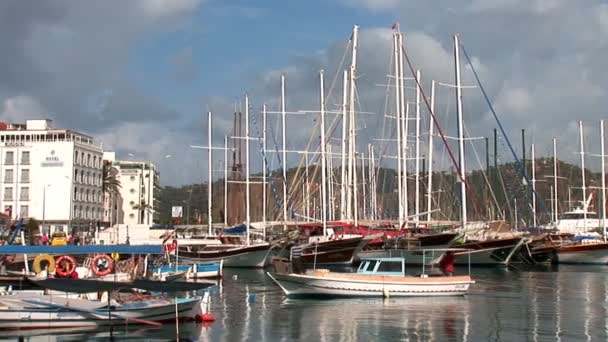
81 249
240 229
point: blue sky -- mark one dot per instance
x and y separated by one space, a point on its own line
139 75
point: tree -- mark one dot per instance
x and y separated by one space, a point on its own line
142 207
110 185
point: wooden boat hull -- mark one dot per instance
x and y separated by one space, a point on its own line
351 285
246 257
489 253
45 318
584 253
340 252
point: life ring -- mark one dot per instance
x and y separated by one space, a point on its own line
336 236
37 264
102 265
63 270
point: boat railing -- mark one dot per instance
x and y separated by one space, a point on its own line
442 251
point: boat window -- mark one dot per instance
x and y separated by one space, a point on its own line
390 266
363 267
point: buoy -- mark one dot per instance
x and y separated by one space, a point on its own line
46 258
206 317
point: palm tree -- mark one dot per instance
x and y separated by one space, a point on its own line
110 184
142 207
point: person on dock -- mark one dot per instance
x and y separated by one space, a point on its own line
44 239
447 264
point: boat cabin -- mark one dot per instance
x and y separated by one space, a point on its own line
382 266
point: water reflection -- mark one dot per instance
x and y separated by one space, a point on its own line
569 304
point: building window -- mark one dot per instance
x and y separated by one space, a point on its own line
8 176
75 160
8 193
132 191
24 194
8 160
25 176
131 215
132 178
75 195
88 159
24 211
76 176
25 158
75 214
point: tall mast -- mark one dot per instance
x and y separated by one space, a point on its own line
556 211
417 161
225 181
603 138
374 183
307 187
580 128
283 124
264 185
397 54
247 185
533 156
429 194
352 131
463 187
344 143
404 107
209 174
363 186
323 161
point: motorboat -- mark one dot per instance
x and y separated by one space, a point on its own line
375 277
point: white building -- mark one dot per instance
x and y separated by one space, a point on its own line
52 175
139 191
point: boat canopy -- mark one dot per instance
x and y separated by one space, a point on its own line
81 249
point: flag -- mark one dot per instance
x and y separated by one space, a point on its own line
395 26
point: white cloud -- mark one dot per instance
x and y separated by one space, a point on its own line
21 107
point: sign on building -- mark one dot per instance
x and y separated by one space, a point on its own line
177 211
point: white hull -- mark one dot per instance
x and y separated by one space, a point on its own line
595 257
42 318
306 285
255 259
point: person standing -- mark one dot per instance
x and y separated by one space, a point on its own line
447 264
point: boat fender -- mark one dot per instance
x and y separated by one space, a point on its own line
65 265
170 247
102 265
37 264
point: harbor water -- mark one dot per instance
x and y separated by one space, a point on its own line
569 303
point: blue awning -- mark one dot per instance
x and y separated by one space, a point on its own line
240 229
81 249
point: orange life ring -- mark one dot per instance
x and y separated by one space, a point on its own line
102 265
63 270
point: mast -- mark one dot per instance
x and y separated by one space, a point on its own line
603 138
323 161
344 143
533 161
404 121
463 193
580 128
225 181
397 54
247 185
264 185
363 185
306 188
283 124
209 175
352 164
429 196
556 212
417 161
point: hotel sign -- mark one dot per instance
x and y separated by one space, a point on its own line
52 161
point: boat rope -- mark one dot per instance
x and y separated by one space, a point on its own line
518 163
275 194
441 134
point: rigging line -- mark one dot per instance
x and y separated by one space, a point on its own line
483 172
264 157
439 130
502 130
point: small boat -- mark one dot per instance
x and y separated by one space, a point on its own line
190 271
491 252
412 247
28 311
583 250
252 256
375 277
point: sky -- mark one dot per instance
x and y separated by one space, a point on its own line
140 75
